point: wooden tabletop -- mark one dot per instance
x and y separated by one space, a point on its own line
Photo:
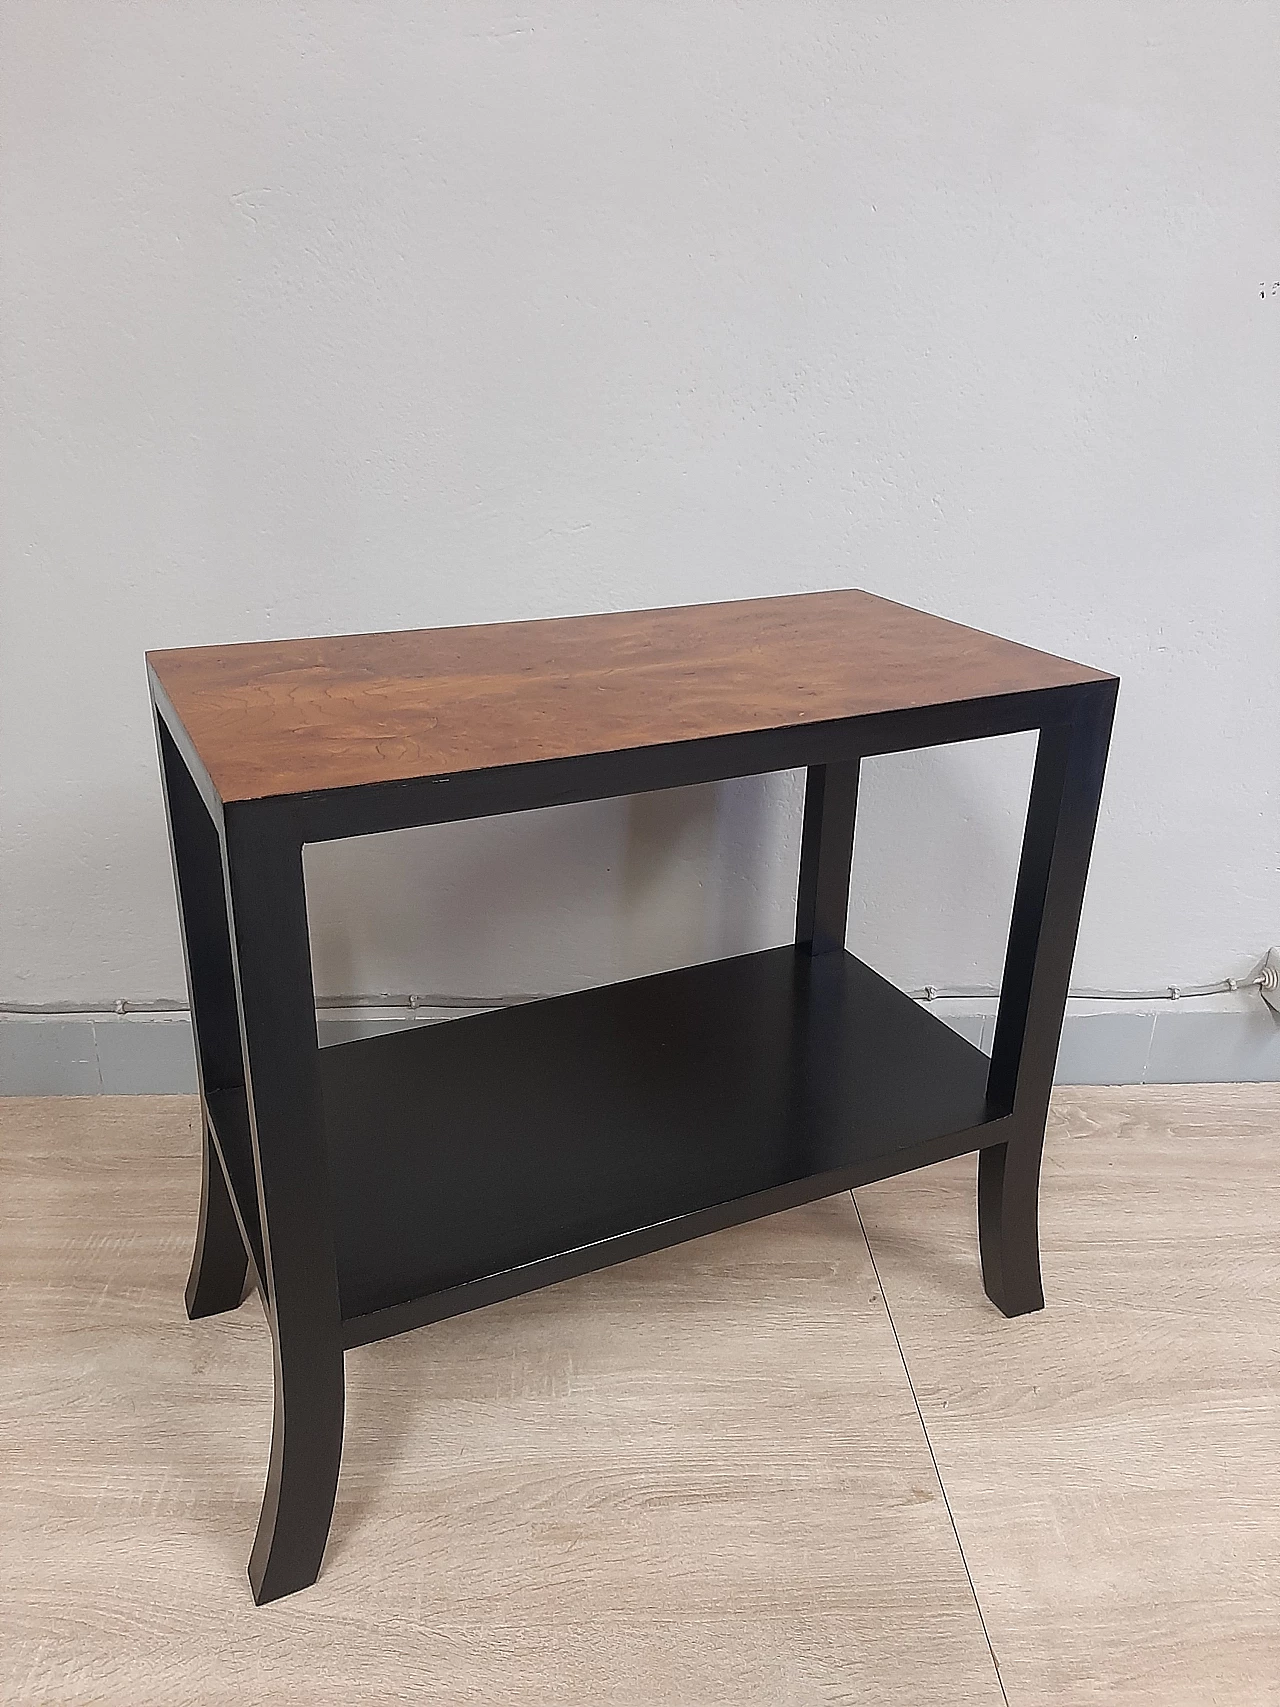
291 716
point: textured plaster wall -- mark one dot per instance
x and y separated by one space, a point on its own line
325 317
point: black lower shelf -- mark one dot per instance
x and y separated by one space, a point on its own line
479 1158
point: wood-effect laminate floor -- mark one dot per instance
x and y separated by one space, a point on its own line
800 1461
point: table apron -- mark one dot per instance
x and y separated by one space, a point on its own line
372 808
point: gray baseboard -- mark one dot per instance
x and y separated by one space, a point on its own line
137 1054
1165 1048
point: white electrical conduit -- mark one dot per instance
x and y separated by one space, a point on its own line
1266 978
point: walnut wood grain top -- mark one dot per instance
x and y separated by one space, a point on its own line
291 716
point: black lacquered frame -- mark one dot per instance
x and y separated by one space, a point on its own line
684 1103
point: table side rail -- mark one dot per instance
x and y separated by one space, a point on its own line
372 808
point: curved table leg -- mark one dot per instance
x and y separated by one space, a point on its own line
1009 1227
219 1265
1066 789
272 955
302 1476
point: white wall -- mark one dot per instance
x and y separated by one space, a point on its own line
332 316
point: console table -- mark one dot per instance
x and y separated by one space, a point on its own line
374 1186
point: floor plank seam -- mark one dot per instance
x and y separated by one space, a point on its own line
906 1370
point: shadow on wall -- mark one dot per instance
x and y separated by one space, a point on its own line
665 917
936 860
709 872
569 897
560 899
